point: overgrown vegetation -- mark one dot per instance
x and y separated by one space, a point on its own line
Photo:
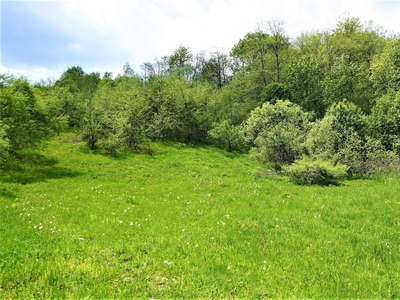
132 198
330 95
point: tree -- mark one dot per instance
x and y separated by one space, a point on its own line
278 44
384 121
23 121
128 71
275 91
342 82
304 81
277 132
385 69
215 69
180 62
228 135
72 78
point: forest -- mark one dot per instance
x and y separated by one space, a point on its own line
321 106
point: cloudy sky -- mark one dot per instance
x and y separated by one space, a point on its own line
40 39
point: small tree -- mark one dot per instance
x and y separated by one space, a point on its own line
277 132
227 134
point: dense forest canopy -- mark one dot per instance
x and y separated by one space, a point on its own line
330 95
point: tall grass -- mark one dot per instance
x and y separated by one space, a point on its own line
189 222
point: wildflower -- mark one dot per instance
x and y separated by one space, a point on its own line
229 268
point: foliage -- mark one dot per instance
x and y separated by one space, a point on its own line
342 82
348 116
24 121
384 121
307 171
304 80
385 74
322 140
228 135
366 158
275 91
277 132
4 143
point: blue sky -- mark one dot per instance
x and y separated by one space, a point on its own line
41 39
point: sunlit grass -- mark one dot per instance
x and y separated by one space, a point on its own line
189 222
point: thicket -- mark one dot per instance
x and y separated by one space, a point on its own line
332 96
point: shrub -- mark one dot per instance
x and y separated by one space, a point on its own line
277 132
323 172
378 159
4 143
112 143
228 135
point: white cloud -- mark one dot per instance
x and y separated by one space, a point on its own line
145 29
32 73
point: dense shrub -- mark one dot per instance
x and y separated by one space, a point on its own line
277 132
384 121
307 171
227 135
4 143
322 140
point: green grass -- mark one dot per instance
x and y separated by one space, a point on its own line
189 222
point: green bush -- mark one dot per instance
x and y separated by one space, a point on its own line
323 172
277 132
4 143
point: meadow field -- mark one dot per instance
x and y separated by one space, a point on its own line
189 222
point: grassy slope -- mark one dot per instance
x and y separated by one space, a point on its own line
190 222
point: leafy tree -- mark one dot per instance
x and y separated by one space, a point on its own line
384 121
342 82
228 135
277 132
348 116
341 137
385 69
215 69
128 71
328 135
322 140
72 78
24 122
278 45
304 80
251 57
180 62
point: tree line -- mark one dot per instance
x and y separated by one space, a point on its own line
329 95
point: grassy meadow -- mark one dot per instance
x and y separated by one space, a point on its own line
189 222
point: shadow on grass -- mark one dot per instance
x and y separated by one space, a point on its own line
5 193
31 167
